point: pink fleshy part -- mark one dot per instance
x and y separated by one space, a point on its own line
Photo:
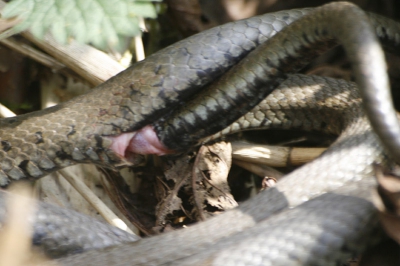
143 141
121 142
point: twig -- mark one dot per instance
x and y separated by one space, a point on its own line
276 156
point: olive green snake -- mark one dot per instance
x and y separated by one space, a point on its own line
132 111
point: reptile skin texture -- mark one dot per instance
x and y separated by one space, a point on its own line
330 99
268 65
38 143
318 215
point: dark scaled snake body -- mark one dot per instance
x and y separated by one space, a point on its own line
158 106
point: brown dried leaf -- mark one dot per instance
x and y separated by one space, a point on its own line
179 173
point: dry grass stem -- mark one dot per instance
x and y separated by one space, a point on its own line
275 156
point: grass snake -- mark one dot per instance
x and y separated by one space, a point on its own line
38 143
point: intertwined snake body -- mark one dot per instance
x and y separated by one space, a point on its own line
319 231
337 211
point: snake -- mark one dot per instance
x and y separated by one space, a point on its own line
129 114
352 215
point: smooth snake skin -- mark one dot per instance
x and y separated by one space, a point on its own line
356 141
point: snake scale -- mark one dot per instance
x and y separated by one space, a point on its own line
310 234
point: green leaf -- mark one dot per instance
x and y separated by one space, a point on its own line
142 9
104 23
59 31
18 8
138 1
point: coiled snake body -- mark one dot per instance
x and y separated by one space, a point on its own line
312 233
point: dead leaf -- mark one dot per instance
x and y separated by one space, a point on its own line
211 192
177 172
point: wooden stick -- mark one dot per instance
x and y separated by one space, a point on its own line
299 156
275 156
